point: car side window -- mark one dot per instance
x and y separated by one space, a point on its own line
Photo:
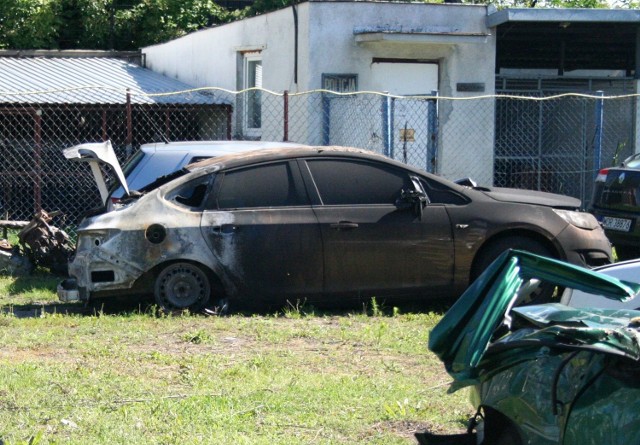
192 193
267 185
441 194
348 181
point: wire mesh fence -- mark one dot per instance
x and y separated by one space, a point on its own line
538 142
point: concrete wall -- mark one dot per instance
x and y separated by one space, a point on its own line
344 38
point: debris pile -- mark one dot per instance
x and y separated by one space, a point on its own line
39 245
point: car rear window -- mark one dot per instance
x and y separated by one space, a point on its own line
268 185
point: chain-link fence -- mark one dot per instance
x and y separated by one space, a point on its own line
554 144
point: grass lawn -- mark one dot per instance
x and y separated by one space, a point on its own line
75 376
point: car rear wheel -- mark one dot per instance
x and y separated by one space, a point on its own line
182 286
492 251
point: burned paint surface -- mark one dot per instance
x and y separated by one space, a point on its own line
115 241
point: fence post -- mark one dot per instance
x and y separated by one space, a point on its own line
326 118
229 109
599 121
285 97
432 143
37 186
387 124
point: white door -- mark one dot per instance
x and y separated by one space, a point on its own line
408 119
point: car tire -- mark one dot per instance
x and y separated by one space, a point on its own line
490 252
507 436
182 285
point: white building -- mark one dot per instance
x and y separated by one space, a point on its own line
455 50
400 48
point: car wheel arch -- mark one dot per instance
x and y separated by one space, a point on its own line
502 239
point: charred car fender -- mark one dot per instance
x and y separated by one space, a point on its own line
108 259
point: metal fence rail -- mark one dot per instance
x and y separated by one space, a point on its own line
535 141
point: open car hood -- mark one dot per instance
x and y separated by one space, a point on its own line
97 153
467 341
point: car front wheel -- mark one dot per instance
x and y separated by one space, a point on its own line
182 286
493 250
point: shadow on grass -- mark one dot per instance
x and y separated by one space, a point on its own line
127 306
145 304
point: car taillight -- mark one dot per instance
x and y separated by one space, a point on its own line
602 175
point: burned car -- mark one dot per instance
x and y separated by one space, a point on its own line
543 373
321 224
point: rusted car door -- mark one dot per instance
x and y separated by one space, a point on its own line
263 232
373 245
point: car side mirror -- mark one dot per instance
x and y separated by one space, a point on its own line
415 199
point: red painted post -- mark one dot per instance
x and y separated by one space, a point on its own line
37 180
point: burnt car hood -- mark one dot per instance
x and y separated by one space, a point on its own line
532 197
468 339
97 153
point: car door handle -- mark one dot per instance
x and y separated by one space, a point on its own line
344 225
224 229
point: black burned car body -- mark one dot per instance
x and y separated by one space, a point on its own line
321 224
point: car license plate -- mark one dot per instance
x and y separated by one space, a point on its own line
619 224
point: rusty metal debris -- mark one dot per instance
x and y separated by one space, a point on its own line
39 245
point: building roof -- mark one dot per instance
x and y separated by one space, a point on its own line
90 80
566 39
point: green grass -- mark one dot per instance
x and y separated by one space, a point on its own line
78 376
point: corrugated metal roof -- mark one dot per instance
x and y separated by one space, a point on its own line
92 80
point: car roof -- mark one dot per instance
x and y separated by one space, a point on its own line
283 152
212 148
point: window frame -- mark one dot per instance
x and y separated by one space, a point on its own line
249 60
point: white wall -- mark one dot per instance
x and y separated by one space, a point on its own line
455 36
209 57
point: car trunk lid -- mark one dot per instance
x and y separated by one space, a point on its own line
617 189
97 153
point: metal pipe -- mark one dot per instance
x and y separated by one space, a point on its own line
285 138
599 122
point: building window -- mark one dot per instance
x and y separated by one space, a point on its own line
253 98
